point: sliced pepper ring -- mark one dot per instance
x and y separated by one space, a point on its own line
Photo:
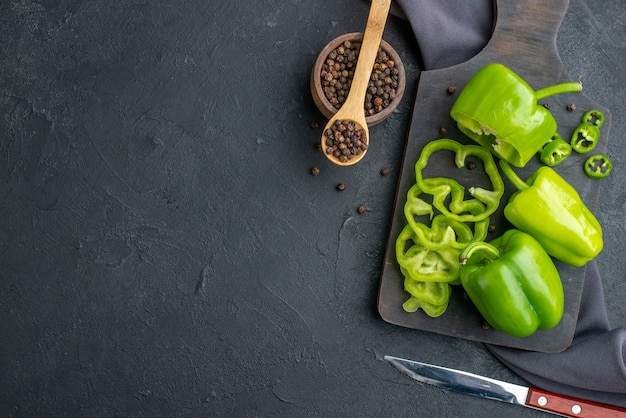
444 231
424 264
556 151
484 202
585 137
598 166
594 117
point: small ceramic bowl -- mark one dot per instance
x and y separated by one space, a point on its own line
320 99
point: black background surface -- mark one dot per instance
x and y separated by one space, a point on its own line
165 250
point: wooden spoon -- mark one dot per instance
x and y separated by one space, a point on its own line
353 109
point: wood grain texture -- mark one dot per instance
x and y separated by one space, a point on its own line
524 39
572 407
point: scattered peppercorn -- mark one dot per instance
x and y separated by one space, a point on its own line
492 228
384 171
361 209
546 105
485 325
314 125
345 139
315 171
571 107
443 130
341 187
338 71
451 89
470 165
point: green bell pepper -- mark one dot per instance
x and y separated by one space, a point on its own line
483 202
499 110
547 207
513 283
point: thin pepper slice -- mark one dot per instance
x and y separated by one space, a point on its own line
434 293
585 137
483 202
415 205
594 117
424 264
413 304
499 110
556 151
598 166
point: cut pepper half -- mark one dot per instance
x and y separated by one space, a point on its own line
499 110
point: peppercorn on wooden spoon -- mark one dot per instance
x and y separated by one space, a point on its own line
339 140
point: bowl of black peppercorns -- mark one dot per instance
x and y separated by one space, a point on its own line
334 68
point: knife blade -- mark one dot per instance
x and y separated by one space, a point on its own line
485 387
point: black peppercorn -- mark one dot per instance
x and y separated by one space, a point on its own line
315 171
337 73
341 187
451 89
345 140
361 209
571 107
384 171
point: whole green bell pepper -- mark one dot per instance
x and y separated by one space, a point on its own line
513 283
499 110
547 207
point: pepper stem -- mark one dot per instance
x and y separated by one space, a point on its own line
491 252
512 176
569 87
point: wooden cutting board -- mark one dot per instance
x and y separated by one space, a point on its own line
524 39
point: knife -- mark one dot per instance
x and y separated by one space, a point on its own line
485 387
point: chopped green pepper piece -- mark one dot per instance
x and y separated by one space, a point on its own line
413 304
556 151
514 283
598 166
425 264
594 117
416 206
585 137
434 293
483 203
499 110
547 207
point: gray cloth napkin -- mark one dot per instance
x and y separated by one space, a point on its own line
593 367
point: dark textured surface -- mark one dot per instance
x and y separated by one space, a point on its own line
165 251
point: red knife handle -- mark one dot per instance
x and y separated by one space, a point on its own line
571 407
